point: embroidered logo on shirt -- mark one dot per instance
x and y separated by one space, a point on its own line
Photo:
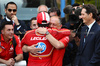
41 45
11 48
11 43
38 38
0 49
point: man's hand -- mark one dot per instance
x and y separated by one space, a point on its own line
34 50
14 18
41 30
10 62
31 49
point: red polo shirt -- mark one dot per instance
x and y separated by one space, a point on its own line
45 58
58 54
7 49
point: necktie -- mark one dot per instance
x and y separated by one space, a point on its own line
13 23
85 35
86 31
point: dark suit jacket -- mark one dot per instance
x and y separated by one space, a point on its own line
89 55
21 30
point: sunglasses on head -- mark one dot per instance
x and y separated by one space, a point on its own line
14 10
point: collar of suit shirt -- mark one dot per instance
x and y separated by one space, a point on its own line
9 19
89 26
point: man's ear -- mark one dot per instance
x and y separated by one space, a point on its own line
91 15
5 10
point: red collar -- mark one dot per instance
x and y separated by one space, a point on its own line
2 39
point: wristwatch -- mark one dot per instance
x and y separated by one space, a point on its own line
46 33
14 59
18 25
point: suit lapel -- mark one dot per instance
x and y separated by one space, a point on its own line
82 38
92 31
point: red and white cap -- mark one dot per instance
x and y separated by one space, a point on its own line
43 16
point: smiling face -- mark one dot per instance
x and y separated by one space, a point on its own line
86 17
89 13
54 22
8 32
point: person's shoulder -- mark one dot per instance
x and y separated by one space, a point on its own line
30 32
64 29
54 29
3 20
16 37
83 27
96 26
21 22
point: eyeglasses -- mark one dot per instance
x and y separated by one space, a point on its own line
14 10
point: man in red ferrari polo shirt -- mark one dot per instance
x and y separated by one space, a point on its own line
43 58
58 53
6 45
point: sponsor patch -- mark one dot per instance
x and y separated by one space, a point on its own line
41 45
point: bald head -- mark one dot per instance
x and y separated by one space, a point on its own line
42 8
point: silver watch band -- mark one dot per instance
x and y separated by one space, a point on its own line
47 33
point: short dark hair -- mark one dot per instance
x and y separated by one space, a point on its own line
34 18
9 3
75 4
54 9
43 25
90 8
5 23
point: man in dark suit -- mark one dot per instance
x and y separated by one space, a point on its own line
10 11
19 25
89 50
